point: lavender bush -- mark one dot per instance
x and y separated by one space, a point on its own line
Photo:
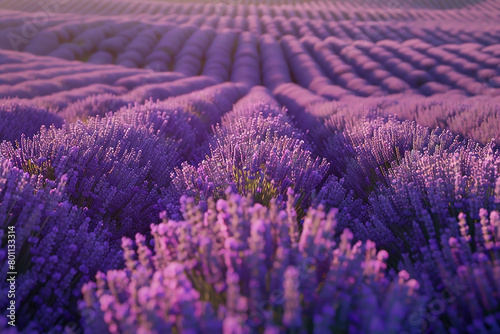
464 290
264 161
57 248
428 189
18 118
95 105
242 267
113 169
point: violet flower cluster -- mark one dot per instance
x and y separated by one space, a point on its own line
459 270
18 118
57 246
254 154
240 267
114 170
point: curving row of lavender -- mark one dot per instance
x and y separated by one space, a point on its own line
251 167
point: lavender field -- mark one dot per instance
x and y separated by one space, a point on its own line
250 166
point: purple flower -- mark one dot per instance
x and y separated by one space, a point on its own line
17 118
103 160
217 261
255 155
57 249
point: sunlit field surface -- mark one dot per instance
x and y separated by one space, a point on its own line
248 166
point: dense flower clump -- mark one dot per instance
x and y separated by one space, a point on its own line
114 170
256 151
57 247
240 267
17 119
278 166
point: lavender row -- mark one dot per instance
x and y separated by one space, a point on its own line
53 82
470 117
256 151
